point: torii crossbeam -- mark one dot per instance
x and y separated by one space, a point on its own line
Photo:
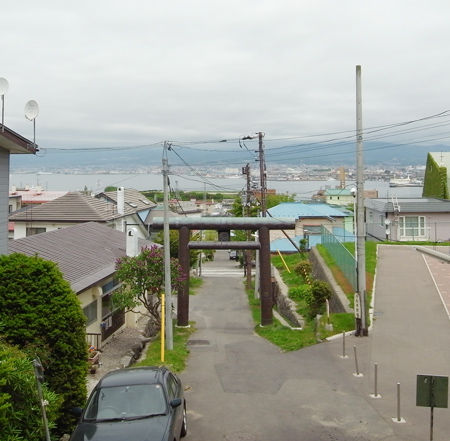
223 225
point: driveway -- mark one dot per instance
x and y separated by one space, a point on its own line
240 387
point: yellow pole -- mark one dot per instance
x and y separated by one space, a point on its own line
163 330
284 262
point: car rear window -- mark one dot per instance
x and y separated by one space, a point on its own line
126 402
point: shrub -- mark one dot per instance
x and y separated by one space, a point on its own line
320 291
303 269
20 413
41 314
301 292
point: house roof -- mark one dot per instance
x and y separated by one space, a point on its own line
409 205
134 200
36 195
338 192
72 207
85 253
300 210
15 143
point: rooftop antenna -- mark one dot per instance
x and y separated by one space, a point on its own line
31 112
4 86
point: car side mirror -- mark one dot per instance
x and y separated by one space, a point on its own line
175 402
76 411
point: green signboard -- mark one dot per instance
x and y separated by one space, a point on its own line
432 391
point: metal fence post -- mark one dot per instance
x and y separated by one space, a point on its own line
344 355
375 388
357 373
398 419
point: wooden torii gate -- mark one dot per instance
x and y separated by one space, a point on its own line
223 225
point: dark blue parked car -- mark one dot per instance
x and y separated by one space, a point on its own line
139 404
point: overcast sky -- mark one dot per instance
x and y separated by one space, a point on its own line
110 73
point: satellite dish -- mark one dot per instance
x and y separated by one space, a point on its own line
4 86
31 110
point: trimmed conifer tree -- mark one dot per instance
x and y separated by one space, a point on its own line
41 314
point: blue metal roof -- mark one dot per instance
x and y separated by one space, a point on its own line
300 210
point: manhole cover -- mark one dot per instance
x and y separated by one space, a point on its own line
198 342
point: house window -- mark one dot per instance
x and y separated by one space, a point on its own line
381 220
312 229
109 287
90 311
10 208
31 231
412 226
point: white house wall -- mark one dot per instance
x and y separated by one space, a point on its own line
20 228
302 224
437 225
4 200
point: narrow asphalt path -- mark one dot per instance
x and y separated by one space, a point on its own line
242 388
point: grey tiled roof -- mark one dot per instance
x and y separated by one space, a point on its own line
409 205
72 207
85 253
134 200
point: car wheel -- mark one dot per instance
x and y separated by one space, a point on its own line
184 425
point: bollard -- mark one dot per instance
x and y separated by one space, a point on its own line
375 387
343 346
398 419
357 373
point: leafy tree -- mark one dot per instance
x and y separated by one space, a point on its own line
110 188
174 242
142 280
40 313
20 413
271 200
274 199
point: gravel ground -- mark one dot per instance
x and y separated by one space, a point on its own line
116 351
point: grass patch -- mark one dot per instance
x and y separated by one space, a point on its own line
194 284
285 338
342 322
174 359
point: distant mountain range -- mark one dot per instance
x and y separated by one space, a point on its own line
388 155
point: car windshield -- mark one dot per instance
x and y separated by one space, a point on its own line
126 402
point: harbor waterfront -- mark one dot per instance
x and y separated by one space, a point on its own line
142 181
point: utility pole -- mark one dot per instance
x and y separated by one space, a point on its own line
262 174
248 253
167 275
360 226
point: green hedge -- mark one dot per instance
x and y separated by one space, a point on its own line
42 315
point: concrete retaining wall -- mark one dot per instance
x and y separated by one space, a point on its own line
286 306
338 301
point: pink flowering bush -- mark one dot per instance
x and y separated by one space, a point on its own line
142 280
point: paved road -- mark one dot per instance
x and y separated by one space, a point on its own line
411 335
242 388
